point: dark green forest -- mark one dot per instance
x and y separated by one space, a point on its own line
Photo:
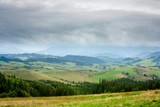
10 86
125 85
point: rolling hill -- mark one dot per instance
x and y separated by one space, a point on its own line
78 68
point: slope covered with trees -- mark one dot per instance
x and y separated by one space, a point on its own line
13 87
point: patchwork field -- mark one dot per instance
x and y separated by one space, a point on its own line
69 72
125 99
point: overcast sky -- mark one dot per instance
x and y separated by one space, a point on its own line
38 24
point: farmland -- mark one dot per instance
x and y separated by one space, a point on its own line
69 71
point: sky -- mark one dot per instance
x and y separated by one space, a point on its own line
34 25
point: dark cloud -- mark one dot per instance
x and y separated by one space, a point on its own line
50 22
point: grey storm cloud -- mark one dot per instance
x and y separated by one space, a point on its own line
82 22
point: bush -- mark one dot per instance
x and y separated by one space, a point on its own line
22 93
3 95
12 94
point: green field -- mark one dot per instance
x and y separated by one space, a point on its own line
133 72
115 73
125 99
146 62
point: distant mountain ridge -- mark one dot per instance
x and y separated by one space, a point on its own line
154 54
27 55
79 60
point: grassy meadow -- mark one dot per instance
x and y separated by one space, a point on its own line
125 99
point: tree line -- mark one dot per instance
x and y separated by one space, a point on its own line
125 85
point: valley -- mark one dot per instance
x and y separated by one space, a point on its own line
78 68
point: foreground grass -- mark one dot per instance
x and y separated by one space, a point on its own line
131 99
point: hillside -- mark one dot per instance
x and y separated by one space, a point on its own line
145 62
132 72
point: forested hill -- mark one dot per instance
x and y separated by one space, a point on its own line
13 87
83 59
10 59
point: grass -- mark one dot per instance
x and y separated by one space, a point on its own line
133 72
146 62
26 74
125 99
70 75
62 76
107 75
155 72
